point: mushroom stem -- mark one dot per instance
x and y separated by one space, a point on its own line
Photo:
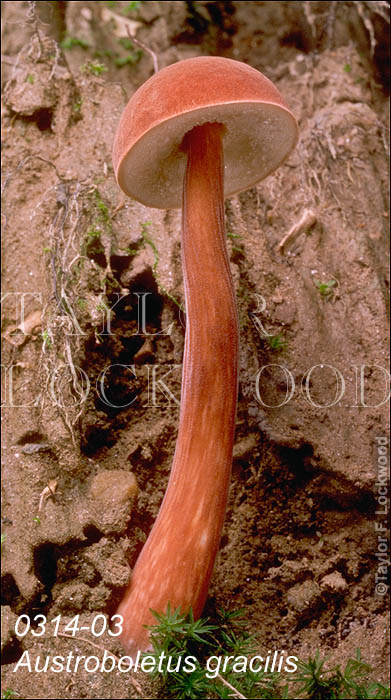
177 560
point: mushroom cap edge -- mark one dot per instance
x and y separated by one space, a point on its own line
260 130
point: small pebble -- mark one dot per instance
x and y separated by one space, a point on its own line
114 486
32 447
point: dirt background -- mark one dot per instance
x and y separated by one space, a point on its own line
299 543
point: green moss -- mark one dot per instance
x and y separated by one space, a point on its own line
131 7
94 67
326 289
179 636
70 42
276 342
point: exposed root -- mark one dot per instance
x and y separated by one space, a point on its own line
63 334
366 10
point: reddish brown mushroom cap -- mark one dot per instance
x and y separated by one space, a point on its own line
260 130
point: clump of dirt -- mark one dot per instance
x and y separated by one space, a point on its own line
94 330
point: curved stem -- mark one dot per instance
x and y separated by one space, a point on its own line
177 560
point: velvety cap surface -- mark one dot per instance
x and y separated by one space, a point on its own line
260 131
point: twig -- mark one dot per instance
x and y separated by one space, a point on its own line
47 492
307 220
237 693
119 206
144 47
135 684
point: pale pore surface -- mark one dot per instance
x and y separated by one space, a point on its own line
257 139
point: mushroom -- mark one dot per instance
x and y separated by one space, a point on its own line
219 126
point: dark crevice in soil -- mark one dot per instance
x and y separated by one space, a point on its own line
296 39
110 363
92 534
11 653
42 118
45 564
219 27
10 594
30 436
